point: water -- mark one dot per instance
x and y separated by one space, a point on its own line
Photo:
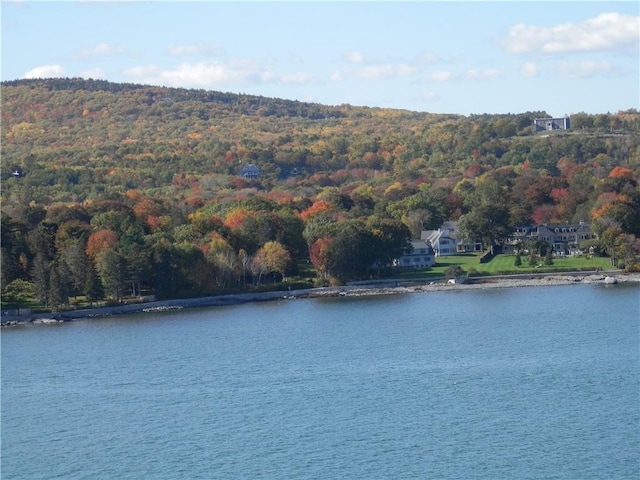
527 383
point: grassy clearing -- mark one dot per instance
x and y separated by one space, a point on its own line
466 261
505 264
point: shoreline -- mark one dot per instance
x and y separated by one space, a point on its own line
386 287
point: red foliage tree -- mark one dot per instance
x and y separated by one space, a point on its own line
544 214
99 241
319 254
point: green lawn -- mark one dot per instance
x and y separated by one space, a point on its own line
505 264
466 261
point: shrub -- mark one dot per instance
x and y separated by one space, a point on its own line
454 271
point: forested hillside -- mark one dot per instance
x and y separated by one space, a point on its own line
110 189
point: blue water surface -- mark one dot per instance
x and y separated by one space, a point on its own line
519 383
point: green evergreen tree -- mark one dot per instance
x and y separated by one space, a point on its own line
111 271
93 287
40 275
548 258
59 286
78 266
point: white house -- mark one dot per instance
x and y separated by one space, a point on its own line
420 256
445 240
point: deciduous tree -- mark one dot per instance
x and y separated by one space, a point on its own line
99 241
350 255
488 222
18 292
276 258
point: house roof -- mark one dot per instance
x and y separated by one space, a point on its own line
419 244
250 170
434 236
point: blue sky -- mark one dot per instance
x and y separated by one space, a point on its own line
441 57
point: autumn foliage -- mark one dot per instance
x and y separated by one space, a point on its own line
99 241
148 178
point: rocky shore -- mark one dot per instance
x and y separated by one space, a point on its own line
387 287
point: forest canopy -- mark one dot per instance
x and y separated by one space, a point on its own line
110 189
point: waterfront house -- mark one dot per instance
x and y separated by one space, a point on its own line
564 238
445 241
421 255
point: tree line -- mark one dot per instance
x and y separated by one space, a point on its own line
135 244
113 190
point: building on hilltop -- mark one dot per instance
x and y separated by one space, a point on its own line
541 124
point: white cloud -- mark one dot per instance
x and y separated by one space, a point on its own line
607 31
377 72
584 69
337 76
355 57
212 74
299 78
441 76
483 74
101 49
366 67
200 75
207 49
45 71
529 70
142 72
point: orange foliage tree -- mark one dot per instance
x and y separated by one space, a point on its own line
99 241
319 255
618 172
318 206
236 217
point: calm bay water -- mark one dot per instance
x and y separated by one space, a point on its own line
526 383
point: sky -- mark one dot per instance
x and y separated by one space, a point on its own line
456 57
